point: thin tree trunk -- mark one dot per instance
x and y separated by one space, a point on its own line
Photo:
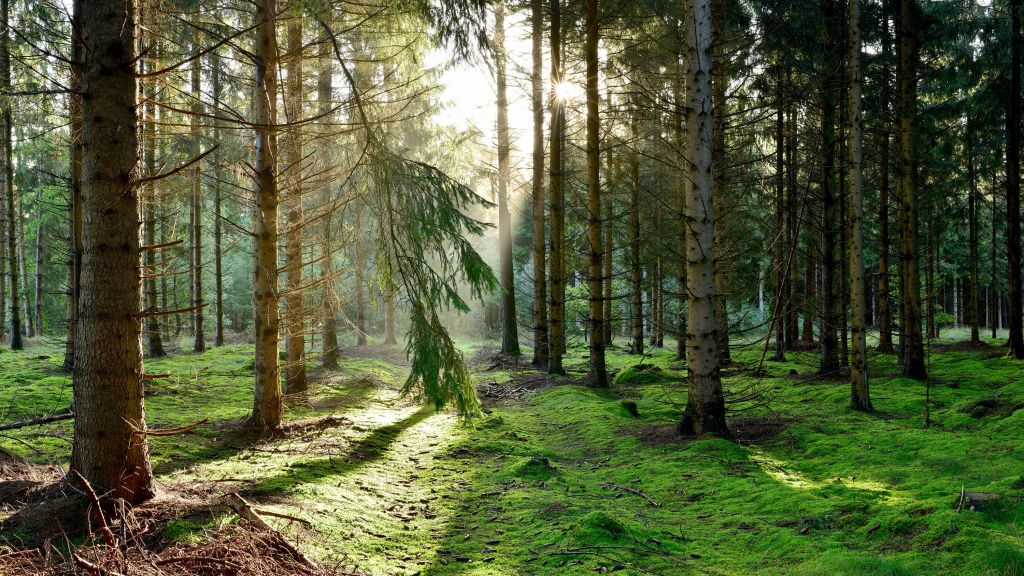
912 342
557 264
199 339
860 395
108 449
38 300
972 232
74 192
389 320
682 191
218 231
294 320
1013 135
884 311
705 404
360 301
635 274
782 254
540 304
509 320
720 109
154 343
994 310
828 341
267 403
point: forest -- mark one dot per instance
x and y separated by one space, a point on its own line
496 287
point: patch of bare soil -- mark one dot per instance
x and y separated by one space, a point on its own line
519 386
238 550
745 430
487 359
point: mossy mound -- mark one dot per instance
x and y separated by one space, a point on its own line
534 468
639 375
599 526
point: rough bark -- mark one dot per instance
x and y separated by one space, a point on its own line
267 403
154 343
635 275
218 230
329 357
828 340
972 233
1013 135
7 175
540 290
294 320
199 338
911 340
681 184
860 396
782 256
108 449
509 321
556 345
705 405
598 371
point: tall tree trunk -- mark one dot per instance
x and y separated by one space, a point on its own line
509 321
218 230
7 160
389 320
294 320
994 309
108 449
682 184
609 218
199 339
793 225
884 310
860 395
720 108
782 254
557 264
635 274
910 277
1013 129
154 343
540 290
38 300
325 92
30 329
828 341
598 371
972 232
705 404
74 192
267 403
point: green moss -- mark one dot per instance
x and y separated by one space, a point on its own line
597 527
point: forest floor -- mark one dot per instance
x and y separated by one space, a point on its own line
557 478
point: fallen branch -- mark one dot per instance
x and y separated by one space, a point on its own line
37 421
633 491
960 504
266 512
173 431
108 536
198 560
247 512
93 568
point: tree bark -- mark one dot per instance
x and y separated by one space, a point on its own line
828 341
1013 135
325 93
705 405
557 204
267 403
782 255
598 371
635 274
972 233
154 343
7 173
860 395
108 449
74 191
540 304
218 230
294 320
509 320
912 342
682 184
198 336
360 263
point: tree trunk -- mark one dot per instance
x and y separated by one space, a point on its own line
910 277
154 343
705 405
860 396
38 312
782 254
793 226
884 310
682 185
7 174
199 340
540 290
294 320
389 320
635 274
994 309
720 109
972 232
360 263
108 392
325 93
557 264
1013 129
218 230
828 341
509 321
598 371
74 192
267 403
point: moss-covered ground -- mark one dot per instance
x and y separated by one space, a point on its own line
557 478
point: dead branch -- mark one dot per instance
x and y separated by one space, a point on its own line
37 421
246 511
632 491
173 431
108 536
